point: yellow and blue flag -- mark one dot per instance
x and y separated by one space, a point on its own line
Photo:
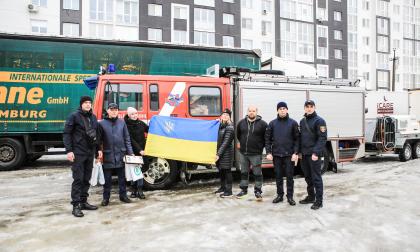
182 139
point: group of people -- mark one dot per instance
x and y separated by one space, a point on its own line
283 139
108 140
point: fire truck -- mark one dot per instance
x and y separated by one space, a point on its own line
339 102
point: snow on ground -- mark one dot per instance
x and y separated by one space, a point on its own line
369 205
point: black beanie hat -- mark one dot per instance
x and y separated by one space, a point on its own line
85 98
282 105
227 111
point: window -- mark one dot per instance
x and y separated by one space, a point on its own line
337 15
383 79
228 19
39 26
247 44
127 11
365 4
396 26
382 60
154 97
338 53
266 6
382 7
338 35
204 101
396 9
383 44
71 30
154 10
408 31
322 14
297 40
247 23
366 76
365 58
365 41
125 95
100 31
180 12
229 1
338 73
297 9
365 22
42 3
209 3
204 20
246 4
71 4
266 47
396 44
322 52
382 26
154 34
265 27
228 41
179 37
101 10
322 31
204 38
322 42
322 71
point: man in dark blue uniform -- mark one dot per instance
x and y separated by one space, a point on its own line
312 142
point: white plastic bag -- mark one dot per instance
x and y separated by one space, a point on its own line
101 176
97 174
128 175
136 172
133 167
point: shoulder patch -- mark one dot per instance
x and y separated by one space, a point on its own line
323 128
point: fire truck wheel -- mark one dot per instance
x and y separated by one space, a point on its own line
161 174
12 154
405 153
416 150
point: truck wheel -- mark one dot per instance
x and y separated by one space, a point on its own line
12 154
406 153
160 174
416 150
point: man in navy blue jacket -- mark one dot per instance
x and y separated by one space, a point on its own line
282 145
313 139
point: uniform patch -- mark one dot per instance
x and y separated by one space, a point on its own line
323 128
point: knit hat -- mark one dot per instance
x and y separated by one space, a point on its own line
282 105
227 111
83 99
131 110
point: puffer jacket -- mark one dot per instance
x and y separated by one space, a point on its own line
225 146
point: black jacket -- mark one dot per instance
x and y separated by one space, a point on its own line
74 136
251 135
225 146
282 137
115 141
137 130
313 143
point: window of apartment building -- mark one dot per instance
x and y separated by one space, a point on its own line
338 35
338 73
337 0
229 1
42 3
247 44
417 51
382 60
71 4
382 26
100 31
228 41
297 9
396 43
180 12
353 74
322 42
365 4
408 47
365 41
352 22
337 15
204 20
154 34
246 4
179 37
127 11
383 44
365 22
396 27
418 30
297 40
322 14
338 53
154 10
265 27
266 47
247 23
101 10
382 7
71 29
408 31
204 38
366 76
352 59
39 26
322 52
396 9
209 3
322 70
352 39
228 19
383 79
266 6
365 58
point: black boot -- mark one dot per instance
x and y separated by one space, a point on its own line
307 200
87 206
133 194
291 201
220 190
77 211
140 194
242 193
105 202
317 205
125 199
278 199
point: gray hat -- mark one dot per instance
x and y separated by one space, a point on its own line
112 106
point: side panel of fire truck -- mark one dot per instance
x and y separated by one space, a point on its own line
341 107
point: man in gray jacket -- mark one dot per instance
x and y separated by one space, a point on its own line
115 141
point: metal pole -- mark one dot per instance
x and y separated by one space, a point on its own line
394 59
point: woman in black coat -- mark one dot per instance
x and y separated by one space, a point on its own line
224 157
137 129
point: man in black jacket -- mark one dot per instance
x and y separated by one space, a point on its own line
250 132
81 149
313 140
282 145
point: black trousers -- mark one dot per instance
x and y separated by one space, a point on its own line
81 172
226 180
108 182
283 167
312 171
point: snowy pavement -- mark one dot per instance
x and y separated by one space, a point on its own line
370 205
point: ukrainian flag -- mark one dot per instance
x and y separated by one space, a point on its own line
182 139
